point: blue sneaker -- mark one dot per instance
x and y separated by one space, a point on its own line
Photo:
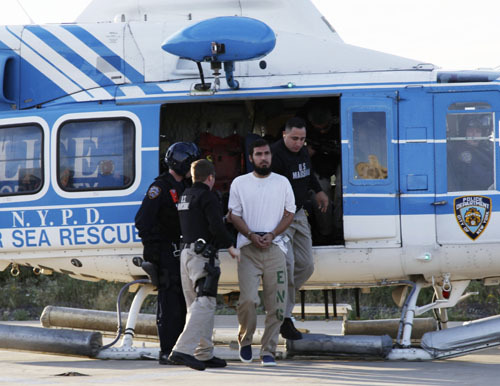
246 354
268 360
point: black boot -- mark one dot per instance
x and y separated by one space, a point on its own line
288 330
215 362
164 359
179 358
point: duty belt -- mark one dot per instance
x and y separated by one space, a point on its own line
201 247
189 245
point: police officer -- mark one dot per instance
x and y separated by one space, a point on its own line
291 159
203 231
158 224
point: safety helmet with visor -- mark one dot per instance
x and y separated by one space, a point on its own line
180 155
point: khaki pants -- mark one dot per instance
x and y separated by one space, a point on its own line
270 265
197 335
299 258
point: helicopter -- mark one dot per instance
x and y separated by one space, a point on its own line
88 109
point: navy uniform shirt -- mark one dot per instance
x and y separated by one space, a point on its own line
200 214
297 168
157 219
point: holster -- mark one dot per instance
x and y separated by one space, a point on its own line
152 271
207 285
211 280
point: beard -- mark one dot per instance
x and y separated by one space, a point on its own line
264 171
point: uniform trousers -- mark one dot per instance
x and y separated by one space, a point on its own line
171 307
299 257
196 338
270 265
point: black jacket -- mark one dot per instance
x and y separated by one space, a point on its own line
157 219
200 214
297 168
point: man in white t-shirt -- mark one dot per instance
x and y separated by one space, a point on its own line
262 206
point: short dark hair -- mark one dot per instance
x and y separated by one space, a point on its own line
201 169
295 122
257 143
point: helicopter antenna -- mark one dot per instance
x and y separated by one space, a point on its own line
26 12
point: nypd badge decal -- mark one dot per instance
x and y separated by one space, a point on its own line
154 191
472 214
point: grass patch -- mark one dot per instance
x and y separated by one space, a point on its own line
24 298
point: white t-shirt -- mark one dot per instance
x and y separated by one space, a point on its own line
261 202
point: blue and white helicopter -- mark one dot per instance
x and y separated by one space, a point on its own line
87 110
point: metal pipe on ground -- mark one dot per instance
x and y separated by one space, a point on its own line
66 317
333 345
94 320
477 335
67 342
387 326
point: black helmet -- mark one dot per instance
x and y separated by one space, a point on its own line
180 155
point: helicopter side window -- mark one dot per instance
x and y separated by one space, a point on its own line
20 159
96 154
369 145
470 151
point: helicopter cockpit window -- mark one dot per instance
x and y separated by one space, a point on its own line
96 154
20 159
470 151
369 145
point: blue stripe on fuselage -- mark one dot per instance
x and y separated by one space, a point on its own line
109 56
410 204
29 89
70 55
48 62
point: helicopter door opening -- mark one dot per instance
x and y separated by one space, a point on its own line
224 129
370 170
466 127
